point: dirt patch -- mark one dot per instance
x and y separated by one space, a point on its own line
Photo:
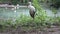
52 30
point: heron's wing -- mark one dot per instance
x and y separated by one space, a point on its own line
32 13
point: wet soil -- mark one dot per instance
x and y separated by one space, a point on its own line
52 30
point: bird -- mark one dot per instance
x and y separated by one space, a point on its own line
31 10
17 6
14 8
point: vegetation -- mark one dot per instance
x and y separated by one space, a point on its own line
14 2
40 21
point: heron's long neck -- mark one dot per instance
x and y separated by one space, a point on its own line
29 6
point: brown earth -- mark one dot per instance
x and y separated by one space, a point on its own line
52 30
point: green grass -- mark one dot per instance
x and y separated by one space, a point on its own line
27 23
40 21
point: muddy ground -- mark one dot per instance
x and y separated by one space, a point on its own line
52 30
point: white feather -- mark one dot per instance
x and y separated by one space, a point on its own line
31 7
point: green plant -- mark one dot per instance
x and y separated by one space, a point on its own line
15 2
41 14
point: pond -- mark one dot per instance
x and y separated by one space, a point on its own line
49 10
9 13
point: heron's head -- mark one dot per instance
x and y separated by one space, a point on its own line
29 3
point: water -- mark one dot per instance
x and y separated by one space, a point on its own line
9 13
49 11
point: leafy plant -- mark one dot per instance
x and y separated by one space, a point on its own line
41 14
15 2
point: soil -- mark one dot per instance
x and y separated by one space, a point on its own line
52 30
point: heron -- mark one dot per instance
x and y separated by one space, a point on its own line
31 10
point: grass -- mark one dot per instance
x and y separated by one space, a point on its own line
27 23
